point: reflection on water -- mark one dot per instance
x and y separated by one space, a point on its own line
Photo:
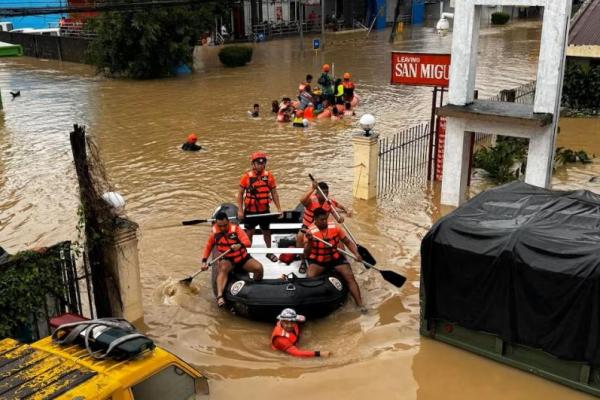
139 127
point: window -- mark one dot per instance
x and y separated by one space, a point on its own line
172 383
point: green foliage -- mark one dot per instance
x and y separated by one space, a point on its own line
507 160
581 88
149 43
25 282
235 56
564 156
500 18
504 161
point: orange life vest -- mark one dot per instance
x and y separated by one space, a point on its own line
224 241
278 331
258 193
319 252
311 207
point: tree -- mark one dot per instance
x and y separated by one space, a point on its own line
150 43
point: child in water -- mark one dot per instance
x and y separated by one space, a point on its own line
287 332
254 112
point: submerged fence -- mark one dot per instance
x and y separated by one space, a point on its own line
403 157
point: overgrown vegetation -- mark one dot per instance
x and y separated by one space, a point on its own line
500 18
150 43
235 56
507 160
25 282
581 87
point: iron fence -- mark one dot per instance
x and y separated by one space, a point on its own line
403 157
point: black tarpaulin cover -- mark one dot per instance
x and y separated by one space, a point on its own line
521 262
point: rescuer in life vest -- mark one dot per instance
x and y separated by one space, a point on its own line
257 189
287 332
312 200
190 144
228 236
326 84
322 257
348 86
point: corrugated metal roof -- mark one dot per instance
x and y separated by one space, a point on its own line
27 372
585 26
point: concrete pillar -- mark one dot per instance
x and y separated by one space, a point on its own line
552 56
456 162
540 158
366 165
122 257
465 41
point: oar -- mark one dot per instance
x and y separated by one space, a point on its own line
189 279
200 221
363 251
262 215
392 277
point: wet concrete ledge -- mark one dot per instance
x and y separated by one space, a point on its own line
497 111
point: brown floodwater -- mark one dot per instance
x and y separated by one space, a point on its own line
139 127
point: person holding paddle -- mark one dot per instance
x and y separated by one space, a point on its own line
314 199
321 251
231 239
257 189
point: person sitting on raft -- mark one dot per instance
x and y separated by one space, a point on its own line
286 333
312 200
305 97
348 88
274 106
190 144
254 112
322 258
228 236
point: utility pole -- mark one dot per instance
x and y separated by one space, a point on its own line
322 24
300 11
395 24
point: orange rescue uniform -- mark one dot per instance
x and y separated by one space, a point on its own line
285 341
224 241
312 206
319 252
257 191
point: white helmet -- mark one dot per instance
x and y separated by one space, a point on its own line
289 314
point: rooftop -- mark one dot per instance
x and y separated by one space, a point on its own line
585 28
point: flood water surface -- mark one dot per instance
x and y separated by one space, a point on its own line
139 127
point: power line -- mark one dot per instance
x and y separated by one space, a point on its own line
109 6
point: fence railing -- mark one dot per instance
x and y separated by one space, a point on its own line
403 157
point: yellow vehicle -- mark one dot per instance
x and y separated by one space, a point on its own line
78 370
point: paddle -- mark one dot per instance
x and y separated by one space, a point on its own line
363 251
262 215
392 277
188 280
200 221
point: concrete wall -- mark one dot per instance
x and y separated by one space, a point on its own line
51 47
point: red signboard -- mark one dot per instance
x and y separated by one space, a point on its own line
420 69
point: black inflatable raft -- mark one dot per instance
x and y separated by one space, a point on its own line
264 300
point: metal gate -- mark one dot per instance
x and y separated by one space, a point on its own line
403 157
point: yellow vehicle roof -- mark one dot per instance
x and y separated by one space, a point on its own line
45 370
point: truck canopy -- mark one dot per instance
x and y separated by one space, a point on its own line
523 263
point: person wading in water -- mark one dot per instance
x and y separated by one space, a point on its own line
322 257
257 189
286 334
227 236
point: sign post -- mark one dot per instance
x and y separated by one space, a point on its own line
423 69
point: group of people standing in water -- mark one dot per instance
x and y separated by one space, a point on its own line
320 237
331 99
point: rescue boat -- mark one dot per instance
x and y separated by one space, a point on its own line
264 300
